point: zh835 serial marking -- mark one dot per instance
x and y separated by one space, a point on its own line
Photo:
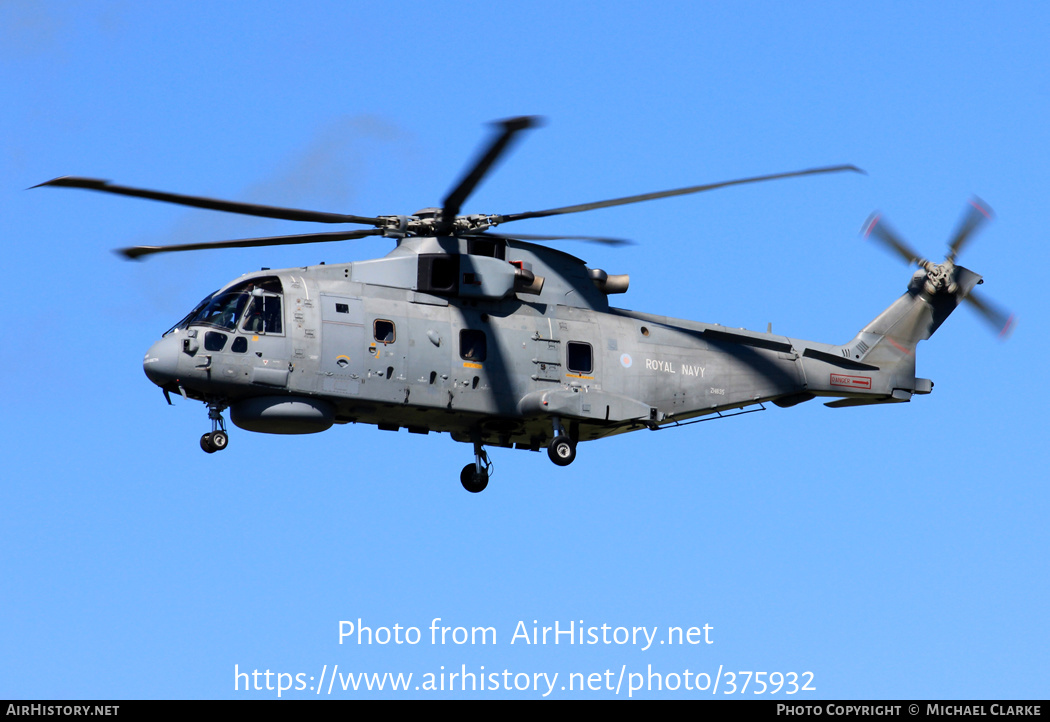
503 342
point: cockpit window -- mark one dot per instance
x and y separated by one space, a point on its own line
224 309
264 315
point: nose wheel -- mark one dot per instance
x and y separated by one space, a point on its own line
217 440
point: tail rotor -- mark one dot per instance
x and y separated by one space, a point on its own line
943 278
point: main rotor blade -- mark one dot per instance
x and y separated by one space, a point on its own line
454 200
137 251
590 239
1001 320
667 194
875 226
249 209
975 216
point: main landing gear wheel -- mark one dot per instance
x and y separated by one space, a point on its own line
215 441
472 479
562 450
475 477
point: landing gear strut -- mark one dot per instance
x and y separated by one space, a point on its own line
217 440
475 477
561 449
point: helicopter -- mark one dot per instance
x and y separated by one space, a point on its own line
501 341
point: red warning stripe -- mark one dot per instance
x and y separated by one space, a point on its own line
976 203
871 226
853 382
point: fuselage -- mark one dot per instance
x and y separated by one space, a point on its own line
488 345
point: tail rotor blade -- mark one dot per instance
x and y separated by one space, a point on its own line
875 226
975 216
1002 321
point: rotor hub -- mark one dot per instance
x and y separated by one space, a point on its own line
940 277
431 222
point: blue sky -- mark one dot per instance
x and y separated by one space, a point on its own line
894 552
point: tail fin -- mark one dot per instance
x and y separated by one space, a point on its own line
913 317
887 344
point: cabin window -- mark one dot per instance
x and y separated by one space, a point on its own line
342 308
472 345
580 359
383 331
240 345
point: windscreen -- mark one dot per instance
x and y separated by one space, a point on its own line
225 309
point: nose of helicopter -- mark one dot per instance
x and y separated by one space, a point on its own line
162 360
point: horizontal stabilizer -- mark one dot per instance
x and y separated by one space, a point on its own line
843 403
840 361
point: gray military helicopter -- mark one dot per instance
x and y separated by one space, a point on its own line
503 342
